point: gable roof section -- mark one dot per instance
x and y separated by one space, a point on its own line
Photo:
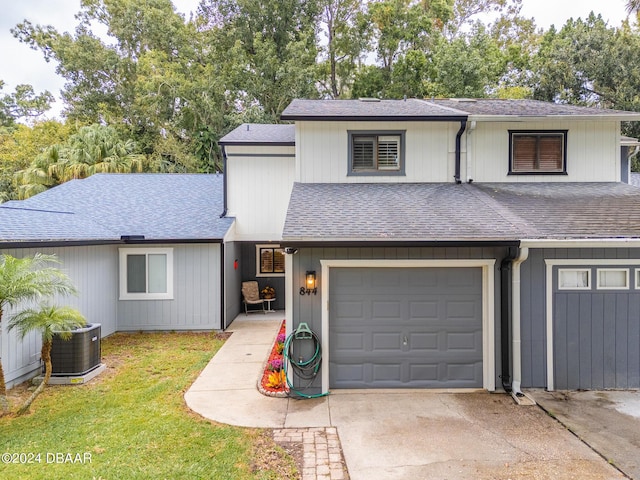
105 207
261 134
494 107
425 213
370 109
442 110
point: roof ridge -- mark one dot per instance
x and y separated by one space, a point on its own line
449 109
8 207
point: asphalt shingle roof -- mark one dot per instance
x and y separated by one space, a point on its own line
438 109
467 212
259 133
107 206
370 109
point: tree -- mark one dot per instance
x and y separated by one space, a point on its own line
269 47
23 104
155 81
93 149
589 63
20 145
347 34
633 6
49 321
24 279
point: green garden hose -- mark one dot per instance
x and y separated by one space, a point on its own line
303 368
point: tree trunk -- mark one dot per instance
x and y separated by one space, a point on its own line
46 356
4 403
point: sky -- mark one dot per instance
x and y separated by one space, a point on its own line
20 64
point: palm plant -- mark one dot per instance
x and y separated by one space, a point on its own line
49 320
633 6
23 279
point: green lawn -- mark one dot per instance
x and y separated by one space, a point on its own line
132 423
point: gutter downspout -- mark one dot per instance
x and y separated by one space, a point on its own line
224 183
463 126
505 317
516 393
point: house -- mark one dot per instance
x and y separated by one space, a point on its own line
145 252
428 243
456 243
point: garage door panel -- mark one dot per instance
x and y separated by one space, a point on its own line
463 310
386 341
409 337
420 309
424 341
462 341
386 309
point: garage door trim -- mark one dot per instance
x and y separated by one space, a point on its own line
550 264
488 307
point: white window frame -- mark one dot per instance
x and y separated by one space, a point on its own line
604 270
259 260
637 277
567 270
124 252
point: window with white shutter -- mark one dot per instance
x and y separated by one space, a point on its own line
379 153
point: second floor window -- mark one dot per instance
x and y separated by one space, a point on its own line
372 153
538 152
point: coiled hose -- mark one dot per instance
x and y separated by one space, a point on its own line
303 368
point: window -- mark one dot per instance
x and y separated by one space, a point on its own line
146 273
269 261
537 152
376 153
613 278
574 279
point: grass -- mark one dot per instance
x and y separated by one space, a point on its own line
132 423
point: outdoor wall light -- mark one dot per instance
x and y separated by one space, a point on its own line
310 284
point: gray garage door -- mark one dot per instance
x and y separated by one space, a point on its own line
596 337
405 327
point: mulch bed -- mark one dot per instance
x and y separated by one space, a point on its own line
276 358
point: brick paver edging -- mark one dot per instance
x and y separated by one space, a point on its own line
322 452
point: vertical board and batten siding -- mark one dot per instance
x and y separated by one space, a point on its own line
593 151
307 308
259 183
196 294
322 151
596 332
232 282
94 272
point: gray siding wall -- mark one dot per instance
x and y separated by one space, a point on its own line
307 308
197 294
94 272
232 282
534 305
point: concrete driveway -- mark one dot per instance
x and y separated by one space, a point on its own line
400 434
608 421
422 435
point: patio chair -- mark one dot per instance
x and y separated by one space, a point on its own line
251 296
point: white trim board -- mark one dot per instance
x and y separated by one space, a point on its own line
553 262
488 305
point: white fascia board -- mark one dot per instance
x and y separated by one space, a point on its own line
582 243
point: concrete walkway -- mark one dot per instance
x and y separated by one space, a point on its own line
392 434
